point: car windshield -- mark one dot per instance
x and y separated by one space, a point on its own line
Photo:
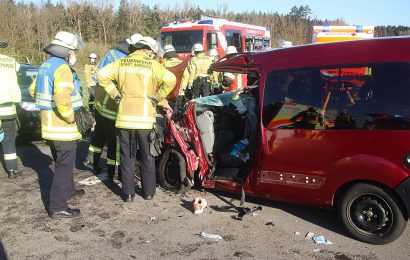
182 40
25 76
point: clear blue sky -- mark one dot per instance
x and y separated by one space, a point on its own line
354 12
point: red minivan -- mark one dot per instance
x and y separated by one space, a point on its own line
324 125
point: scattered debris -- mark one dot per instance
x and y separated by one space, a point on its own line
254 214
212 237
317 250
94 179
321 240
309 235
297 233
270 223
152 218
199 205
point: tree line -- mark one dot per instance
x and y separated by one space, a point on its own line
29 27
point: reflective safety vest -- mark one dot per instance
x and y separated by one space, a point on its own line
9 89
89 73
102 101
197 67
239 81
172 62
45 85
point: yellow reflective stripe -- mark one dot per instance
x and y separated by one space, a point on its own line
60 129
110 162
60 136
106 112
133 125
67 113
64 84
95 149
117 150
110 88
9 110
136 118
10 156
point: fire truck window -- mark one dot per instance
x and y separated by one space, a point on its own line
182 40
211 40
233 38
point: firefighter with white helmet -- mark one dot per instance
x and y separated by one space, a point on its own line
215 76
89 72
106 112
233 81
175 65
196 73
10 94
138 83
57 93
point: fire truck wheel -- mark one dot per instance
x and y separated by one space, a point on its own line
372 214
172 171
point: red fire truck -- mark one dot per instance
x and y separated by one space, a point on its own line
214 33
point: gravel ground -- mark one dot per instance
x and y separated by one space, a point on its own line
164 228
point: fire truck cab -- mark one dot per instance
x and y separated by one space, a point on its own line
214 33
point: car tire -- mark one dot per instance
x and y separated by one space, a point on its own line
172 171
372 214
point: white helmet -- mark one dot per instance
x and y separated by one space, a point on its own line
134 39
151 43
67 40
92 56
213 53
198 47
168 48
231 50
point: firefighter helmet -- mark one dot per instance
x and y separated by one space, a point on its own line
151 43
198 47
213 53
92 56
168 48
67 40
231 50
134 39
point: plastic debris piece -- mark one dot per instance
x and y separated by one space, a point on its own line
317 250
309 235
199 205
297 233
212 237
321 240
94 179
254 214
153 218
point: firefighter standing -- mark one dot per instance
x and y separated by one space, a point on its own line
57 92
10 94
175 65
196 73
89 72
104 131
141 83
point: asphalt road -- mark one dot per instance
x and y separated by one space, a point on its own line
164 228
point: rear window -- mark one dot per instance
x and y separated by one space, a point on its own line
365 96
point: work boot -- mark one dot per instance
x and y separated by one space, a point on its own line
67 213
13 174
111 172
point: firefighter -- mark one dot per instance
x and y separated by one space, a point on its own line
89 71
10 94
170 58
215 76
196 75
233 81
138 83
57 92
106 110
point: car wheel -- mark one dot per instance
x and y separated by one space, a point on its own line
172 171
372 214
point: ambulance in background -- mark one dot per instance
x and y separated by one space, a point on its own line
322 34
214 33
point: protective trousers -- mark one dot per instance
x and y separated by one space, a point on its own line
9 143
128 144
62 187
97 141
201 87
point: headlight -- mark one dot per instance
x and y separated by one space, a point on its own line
29 106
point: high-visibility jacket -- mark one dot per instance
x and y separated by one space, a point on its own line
197 67
140 81
57 92
239 81
9 89
102 101
171 62
89 73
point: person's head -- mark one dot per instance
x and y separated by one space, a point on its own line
197 48
92 57
214 54
170 52
230 50
149 46
64 46
133 41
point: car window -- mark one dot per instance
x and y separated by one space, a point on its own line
365 96
26 76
